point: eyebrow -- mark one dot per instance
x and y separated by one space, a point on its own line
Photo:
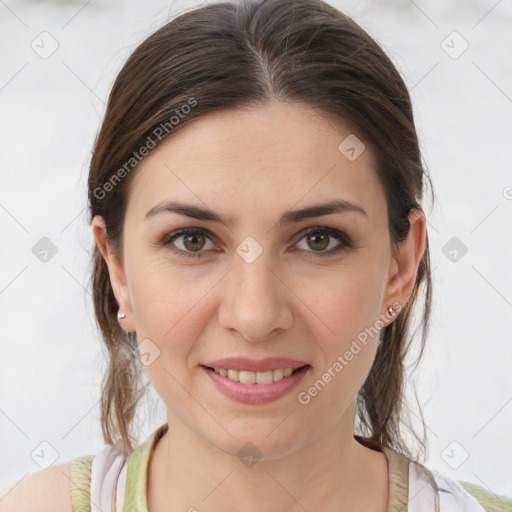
289 217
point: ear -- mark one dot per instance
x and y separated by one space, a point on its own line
404 267
116 273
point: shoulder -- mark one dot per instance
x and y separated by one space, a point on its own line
48 490
454 495
490 501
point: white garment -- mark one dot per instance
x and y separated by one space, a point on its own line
452 496
107 464
105 469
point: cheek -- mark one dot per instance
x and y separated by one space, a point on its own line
347 343
169 316
169 313
348 299
164 297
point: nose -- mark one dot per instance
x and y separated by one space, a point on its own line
256 300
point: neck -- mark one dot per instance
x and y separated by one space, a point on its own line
186 472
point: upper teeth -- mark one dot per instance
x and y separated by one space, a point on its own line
248 377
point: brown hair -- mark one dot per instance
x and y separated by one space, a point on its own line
230 55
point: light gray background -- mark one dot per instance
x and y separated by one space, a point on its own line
51 109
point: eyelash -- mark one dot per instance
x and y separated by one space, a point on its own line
346 242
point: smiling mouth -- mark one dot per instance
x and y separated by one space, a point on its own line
250 377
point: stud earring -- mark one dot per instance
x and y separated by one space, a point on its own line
391 312
120 316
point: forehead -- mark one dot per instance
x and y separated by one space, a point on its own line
268 157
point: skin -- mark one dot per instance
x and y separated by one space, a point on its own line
253 165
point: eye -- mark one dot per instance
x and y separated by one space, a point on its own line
320 238
193 241
317 238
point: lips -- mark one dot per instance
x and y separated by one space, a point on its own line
255 393
254 365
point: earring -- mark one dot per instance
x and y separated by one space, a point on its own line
391 312
120 316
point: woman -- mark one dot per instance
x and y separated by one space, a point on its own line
255 196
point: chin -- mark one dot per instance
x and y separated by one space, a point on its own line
251 443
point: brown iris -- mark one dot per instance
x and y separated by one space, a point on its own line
321 241
194 244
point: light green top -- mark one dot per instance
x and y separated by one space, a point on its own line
136 480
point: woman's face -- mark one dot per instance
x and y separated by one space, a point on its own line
256 285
